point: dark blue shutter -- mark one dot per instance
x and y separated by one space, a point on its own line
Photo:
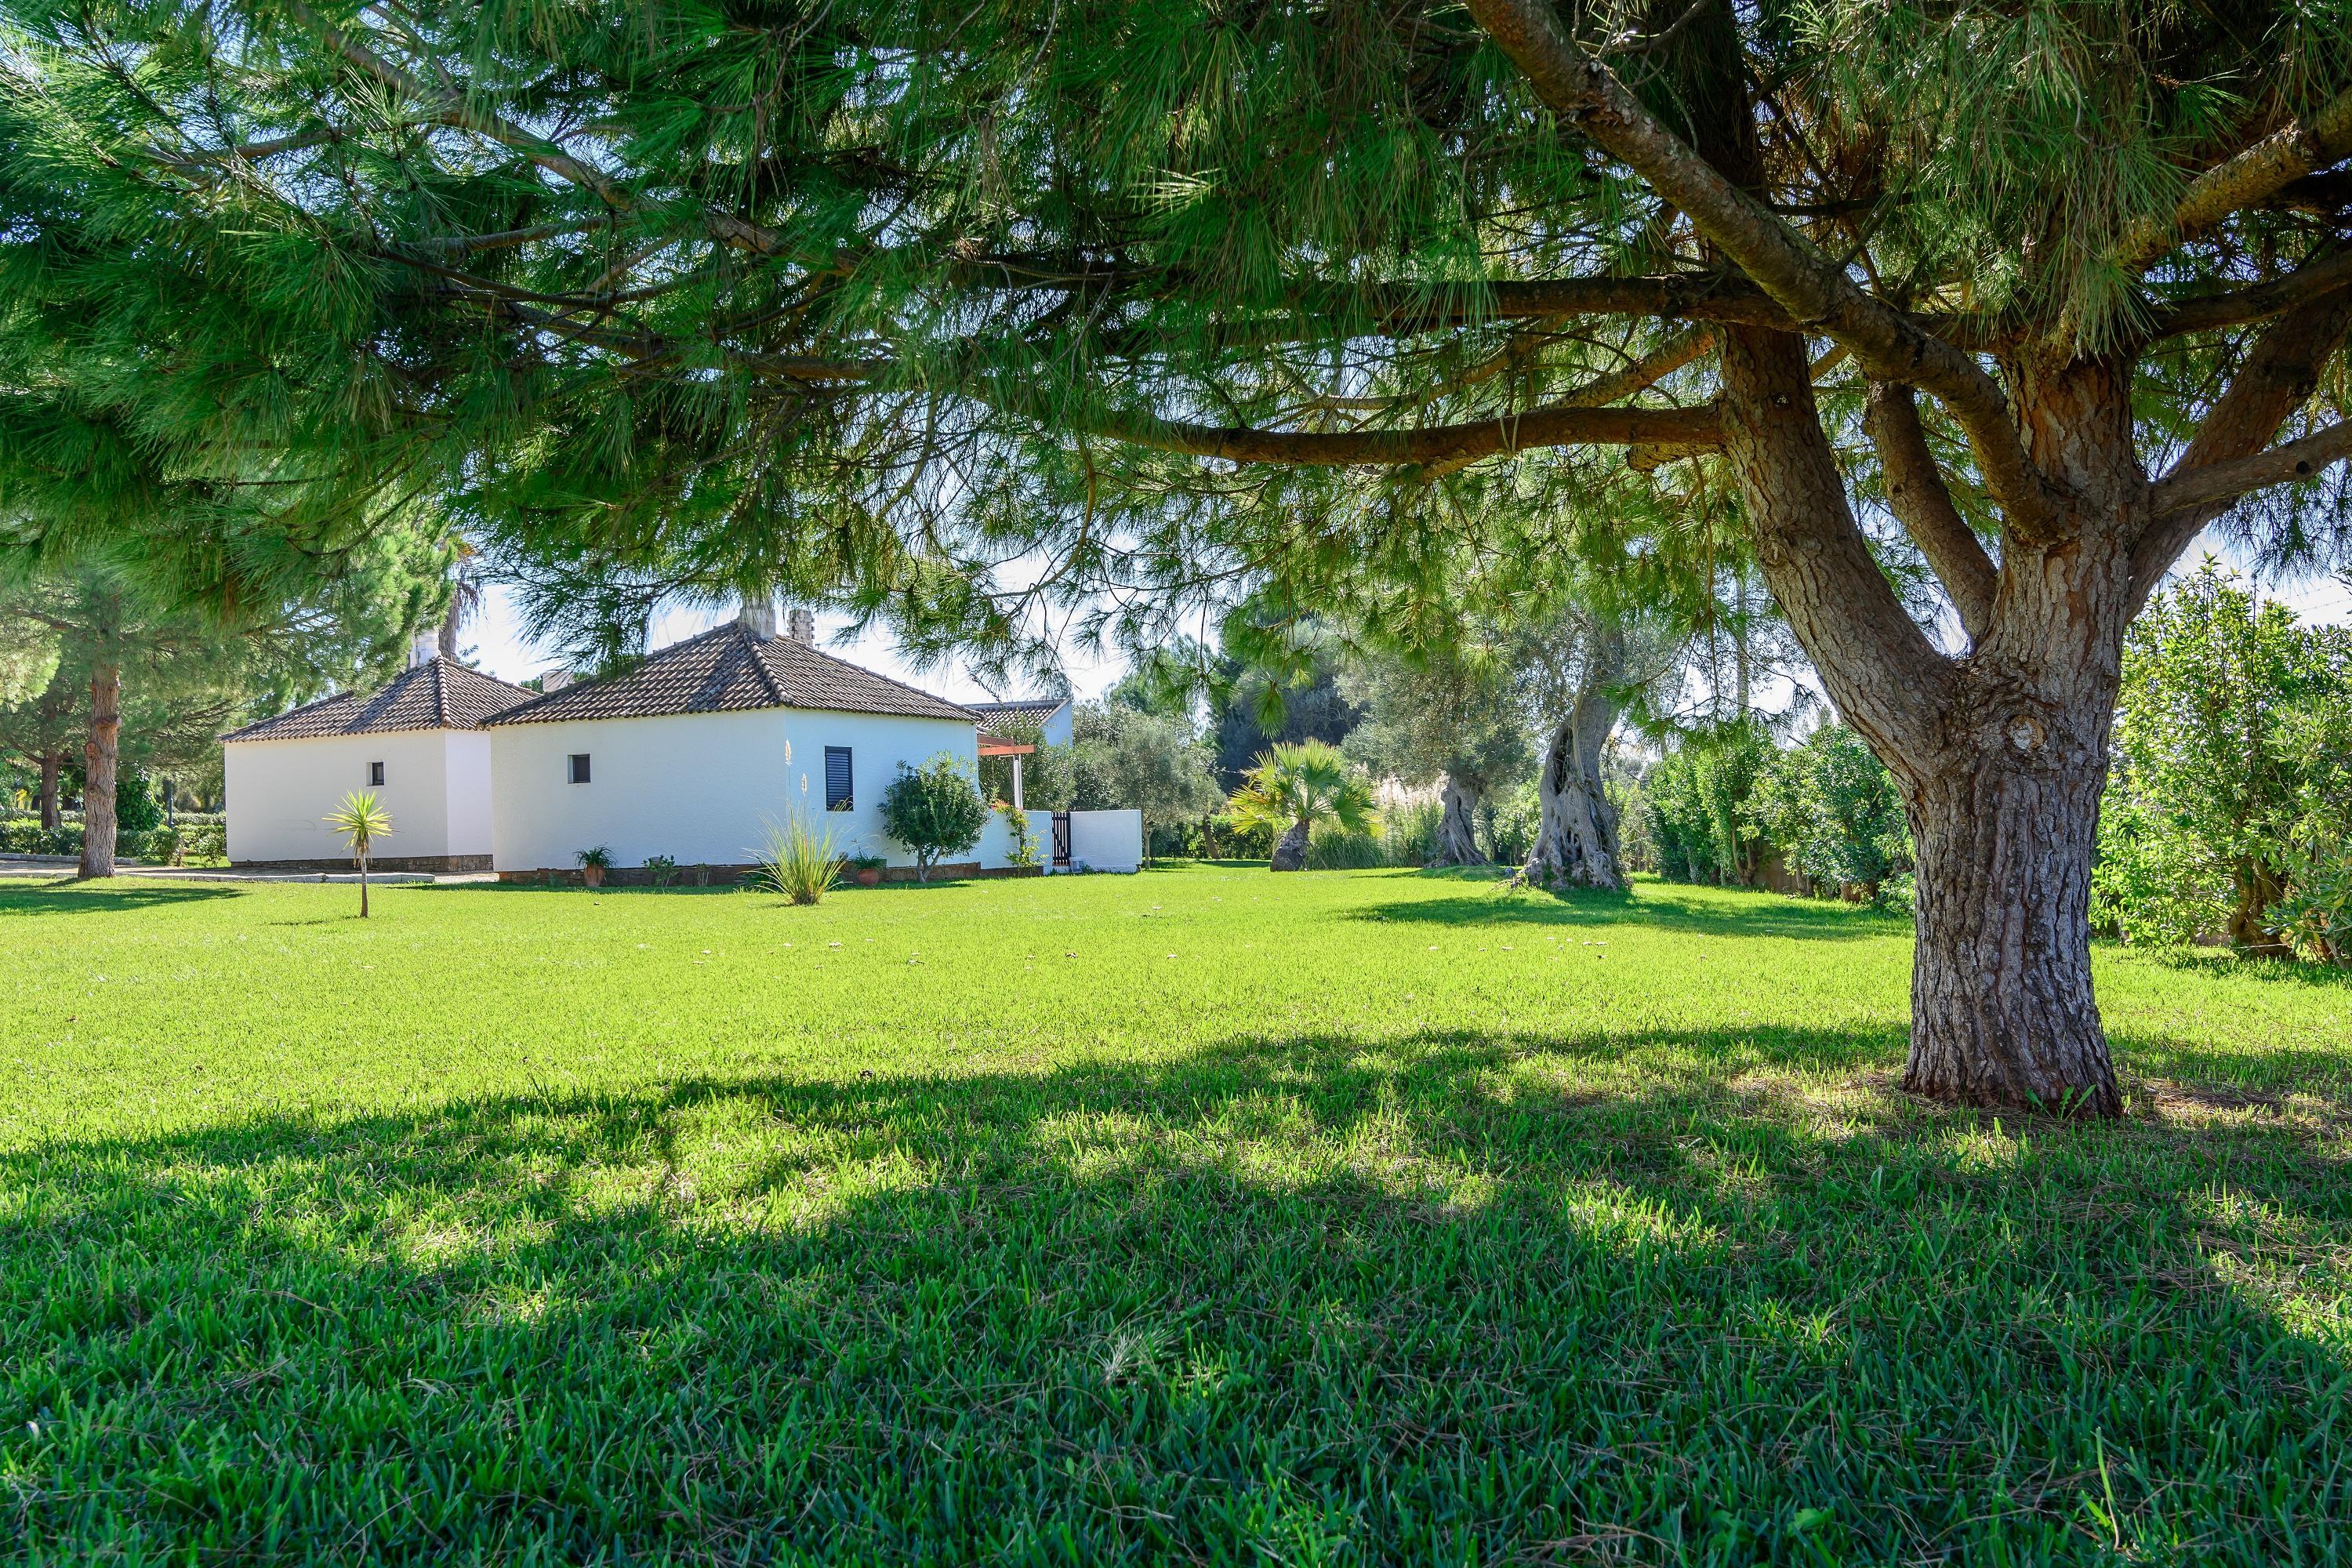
837 778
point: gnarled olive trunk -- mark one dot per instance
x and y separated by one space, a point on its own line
99 757
1457 837
2257 885
1575 831
1290 850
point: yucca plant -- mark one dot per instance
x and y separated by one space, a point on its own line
801 862
1297 784
361 820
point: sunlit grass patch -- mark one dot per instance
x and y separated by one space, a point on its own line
1396 1218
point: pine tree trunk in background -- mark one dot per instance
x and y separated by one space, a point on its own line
1290 853
53 764
1457 837
1575 831
98 763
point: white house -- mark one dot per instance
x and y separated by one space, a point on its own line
693 753
418 744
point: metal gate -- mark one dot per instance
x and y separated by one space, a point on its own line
1062 840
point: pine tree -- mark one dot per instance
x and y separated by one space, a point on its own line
873 299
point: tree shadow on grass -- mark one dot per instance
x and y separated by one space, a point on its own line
1461 1295
69 897
1747 915
2206 963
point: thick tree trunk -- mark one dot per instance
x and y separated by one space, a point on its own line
1290 851
2001 1008
2001 755
1575 831
1457 837
2258 886
53 765
98 763
363 890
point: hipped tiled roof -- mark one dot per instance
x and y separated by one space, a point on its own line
439 694
733 669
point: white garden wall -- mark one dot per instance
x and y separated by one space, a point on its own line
436 787
1104 840
698 787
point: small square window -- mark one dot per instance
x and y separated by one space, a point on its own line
837 778
375 773
579 767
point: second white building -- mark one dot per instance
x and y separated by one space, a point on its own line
695 751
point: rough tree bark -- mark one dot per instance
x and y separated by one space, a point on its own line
1457 837
99 756
1576 832
1290 852
53 765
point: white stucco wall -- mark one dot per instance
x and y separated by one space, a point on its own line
995 846
1104 840
698 787
278 792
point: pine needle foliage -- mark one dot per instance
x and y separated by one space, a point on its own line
874 300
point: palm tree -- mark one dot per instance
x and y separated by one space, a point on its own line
1297 784
361 820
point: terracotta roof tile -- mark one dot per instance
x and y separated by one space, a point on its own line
438 694
730 669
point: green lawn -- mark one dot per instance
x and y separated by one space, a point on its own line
1203 1215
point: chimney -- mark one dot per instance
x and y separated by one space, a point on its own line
555 681
757 616
425 647
803 625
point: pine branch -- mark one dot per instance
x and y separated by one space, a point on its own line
1811 287
2257 301
1917 494
2227 459
2252 177
1555 424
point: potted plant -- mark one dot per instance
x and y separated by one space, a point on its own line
594 864
867 869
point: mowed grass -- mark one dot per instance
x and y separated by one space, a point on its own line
1200 1216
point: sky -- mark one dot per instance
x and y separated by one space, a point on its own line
499 648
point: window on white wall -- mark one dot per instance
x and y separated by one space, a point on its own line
837 778
375 773
579 767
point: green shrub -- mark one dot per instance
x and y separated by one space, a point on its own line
1331 848
1410 831
2315 920
661 871
136 809
801 862
1696 805
157 845
934 810
24 836
2232 757
1831 806
204 841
